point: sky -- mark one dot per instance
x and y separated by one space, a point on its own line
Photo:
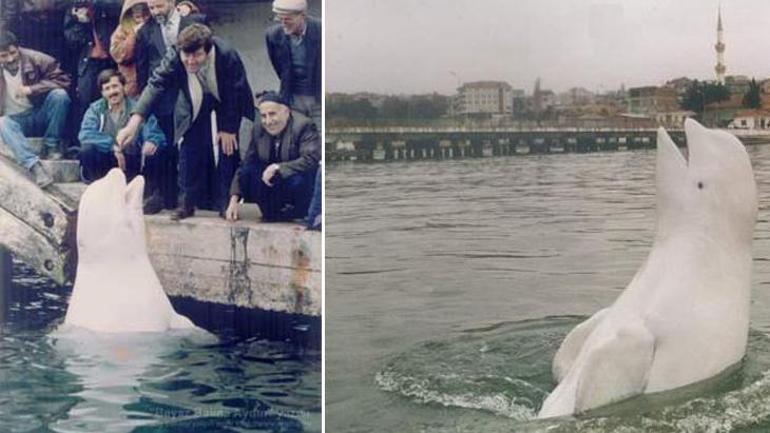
425 46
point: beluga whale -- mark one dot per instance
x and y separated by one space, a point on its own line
684 317
116 288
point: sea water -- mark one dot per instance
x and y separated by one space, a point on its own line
228 380
450 285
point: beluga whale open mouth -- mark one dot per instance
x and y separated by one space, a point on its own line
116 288
684 317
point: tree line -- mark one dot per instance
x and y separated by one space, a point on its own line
432 106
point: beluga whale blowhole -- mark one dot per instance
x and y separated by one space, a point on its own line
116 288
684 317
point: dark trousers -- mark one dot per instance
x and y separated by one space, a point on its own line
286 200
95 164
169 174
203 183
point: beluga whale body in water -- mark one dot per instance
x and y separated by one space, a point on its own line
684 317
116 288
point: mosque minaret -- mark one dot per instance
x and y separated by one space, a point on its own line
720 68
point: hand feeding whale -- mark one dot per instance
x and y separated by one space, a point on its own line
685 315
116 288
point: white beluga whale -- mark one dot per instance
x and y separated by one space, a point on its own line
116 288
684 317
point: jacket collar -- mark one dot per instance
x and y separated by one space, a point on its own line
25 62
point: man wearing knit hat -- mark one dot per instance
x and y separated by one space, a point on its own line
294 47
279 170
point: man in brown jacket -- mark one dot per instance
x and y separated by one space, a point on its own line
32 101
279 170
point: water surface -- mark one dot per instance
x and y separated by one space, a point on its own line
428 262
80 381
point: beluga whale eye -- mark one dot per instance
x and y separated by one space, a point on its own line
700 185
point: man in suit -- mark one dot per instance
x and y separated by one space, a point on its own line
212 79
152 41
279 170
294 47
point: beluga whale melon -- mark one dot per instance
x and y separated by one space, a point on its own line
684 317
116 288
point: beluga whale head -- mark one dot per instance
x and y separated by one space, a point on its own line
710 191
116 288
684 317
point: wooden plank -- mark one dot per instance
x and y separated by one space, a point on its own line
33 248
30 204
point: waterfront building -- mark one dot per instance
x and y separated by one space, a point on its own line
484 98
576 96
680 84
750 119
672 119
649 100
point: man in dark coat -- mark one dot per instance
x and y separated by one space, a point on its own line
212 80
279 170
88 25
152 41
294 47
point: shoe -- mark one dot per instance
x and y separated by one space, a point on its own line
72 153
42 178
182 212
152 205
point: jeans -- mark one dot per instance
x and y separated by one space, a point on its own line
48 119
286 200
314 210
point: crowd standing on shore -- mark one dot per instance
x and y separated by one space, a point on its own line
155 92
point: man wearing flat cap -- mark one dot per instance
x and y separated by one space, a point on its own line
294 47
279 170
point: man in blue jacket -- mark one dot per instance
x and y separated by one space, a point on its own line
99 150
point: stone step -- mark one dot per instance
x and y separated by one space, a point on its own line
73 190
61 170
65 170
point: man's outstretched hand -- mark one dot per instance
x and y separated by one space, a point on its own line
128 133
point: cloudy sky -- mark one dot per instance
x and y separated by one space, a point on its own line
422 46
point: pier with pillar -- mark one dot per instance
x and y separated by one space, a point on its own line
387 143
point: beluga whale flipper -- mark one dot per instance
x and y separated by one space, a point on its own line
684 317
116 288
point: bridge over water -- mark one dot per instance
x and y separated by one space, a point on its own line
388 143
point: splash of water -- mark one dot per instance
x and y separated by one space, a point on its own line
504 370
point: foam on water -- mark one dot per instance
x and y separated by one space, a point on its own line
505 370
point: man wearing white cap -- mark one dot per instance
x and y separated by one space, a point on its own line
294 47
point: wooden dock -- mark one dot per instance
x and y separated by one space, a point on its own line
268 266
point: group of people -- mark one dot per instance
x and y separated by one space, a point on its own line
160 95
